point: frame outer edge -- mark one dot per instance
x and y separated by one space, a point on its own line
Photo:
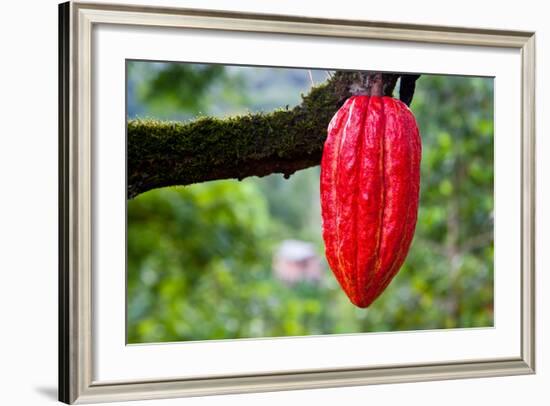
287 24
63 201
528 202
301 381
75 198
83 201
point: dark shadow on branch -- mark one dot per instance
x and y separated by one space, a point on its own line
284 141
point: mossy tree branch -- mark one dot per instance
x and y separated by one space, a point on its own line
284 141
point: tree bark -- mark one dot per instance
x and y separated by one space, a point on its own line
284 141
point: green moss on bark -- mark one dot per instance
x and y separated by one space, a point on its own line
283 141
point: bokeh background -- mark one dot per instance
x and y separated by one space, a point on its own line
234 259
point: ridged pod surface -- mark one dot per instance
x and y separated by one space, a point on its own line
370 184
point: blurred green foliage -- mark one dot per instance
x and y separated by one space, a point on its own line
200 257
181 91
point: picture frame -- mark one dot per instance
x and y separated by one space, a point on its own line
77 215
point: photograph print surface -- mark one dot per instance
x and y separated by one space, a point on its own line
273 202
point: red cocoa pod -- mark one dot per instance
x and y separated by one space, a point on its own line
370 183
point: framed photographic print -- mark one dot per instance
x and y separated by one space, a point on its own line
263 202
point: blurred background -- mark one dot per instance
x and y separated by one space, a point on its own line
233 259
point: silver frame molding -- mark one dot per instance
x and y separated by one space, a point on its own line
76 21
